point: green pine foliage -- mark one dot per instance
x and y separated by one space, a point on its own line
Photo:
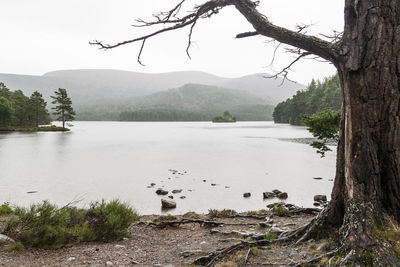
63 109
324 126
16 109
317 97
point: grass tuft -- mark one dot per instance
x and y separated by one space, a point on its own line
225 213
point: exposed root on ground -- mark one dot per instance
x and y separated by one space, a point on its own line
206 223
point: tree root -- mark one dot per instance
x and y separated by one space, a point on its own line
206 223
316 260
214 257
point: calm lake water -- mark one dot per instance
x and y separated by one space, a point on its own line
120 159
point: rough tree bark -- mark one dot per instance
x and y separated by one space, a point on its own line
367 57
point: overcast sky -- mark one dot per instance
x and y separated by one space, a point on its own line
45 35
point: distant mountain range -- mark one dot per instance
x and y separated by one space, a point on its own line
104 94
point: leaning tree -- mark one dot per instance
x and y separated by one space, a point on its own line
367 57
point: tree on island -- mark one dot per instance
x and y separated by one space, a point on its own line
6 111
226 117
39 111
367 57
63 108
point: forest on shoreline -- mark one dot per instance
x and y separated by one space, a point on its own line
317 97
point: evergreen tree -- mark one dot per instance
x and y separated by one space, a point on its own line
6 111
63 108
39 112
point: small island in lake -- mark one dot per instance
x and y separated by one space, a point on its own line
226 117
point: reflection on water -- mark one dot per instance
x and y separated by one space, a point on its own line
120 159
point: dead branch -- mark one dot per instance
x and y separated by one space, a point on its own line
285 71
247 257
173 20
246 34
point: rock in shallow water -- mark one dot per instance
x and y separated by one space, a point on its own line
177 191
161 192
268 195
276 191
320 198
282 195
168 204
246 194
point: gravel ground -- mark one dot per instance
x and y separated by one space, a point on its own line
152 246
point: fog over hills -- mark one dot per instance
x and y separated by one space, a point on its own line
112 91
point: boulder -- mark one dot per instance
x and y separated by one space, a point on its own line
168 204
182 197
320 198
283 195
268 195
152 184
247 194
177 191
171 197
161 192
6 239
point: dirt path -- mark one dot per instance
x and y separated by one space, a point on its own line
170 246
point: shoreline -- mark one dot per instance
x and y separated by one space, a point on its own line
51 128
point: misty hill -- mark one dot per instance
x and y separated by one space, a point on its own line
94 91
198 102
197 97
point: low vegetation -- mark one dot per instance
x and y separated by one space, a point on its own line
257 212
225 213
191 215
5 209
47 226
280 210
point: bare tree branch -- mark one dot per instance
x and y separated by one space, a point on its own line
262 25
172 20
285 71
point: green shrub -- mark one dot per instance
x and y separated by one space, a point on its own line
110 221
47 226
5 209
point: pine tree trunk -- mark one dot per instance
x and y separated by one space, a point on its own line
367 184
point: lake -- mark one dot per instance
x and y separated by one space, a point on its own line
120 159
